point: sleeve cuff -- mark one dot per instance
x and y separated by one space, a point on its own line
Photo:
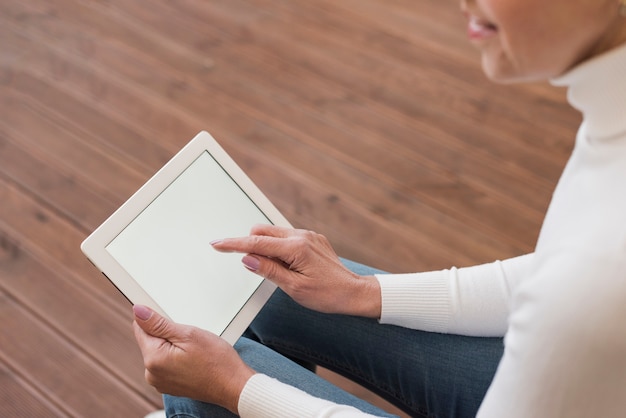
419 301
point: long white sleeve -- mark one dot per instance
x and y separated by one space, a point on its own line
264 397
469 301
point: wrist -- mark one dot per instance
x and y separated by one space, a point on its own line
236 387
367 299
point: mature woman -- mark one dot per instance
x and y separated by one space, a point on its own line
432 342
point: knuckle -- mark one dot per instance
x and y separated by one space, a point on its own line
305 233
190 334
256 241
302 242
270 270
160 326
319 238
312 237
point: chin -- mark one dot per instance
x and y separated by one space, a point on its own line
507 74
499 78
497 69
503 71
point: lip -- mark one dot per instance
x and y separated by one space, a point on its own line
479 29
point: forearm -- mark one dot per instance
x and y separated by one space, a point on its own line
470 301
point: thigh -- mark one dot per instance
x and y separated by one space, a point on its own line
267 361
420 372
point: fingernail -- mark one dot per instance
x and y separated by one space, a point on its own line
142 312
216 241
251 263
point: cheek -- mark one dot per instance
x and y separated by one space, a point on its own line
499 61
536 40
525 29
522 52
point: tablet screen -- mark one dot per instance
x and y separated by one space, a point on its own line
166 248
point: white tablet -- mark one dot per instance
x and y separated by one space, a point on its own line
156 248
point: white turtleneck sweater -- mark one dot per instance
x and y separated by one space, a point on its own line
562 308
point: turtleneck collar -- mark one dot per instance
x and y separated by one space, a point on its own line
597 88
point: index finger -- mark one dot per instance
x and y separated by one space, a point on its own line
255 244
262 245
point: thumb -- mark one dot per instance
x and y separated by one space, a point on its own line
152 323
269 268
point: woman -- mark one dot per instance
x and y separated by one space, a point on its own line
438 350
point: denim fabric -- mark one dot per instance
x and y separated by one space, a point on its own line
425 374
267 361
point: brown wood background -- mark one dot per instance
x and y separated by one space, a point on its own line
366 120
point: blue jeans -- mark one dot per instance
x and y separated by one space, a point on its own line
424 374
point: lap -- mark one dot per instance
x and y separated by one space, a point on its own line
423 373
420 372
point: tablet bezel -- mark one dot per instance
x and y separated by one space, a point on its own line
94 246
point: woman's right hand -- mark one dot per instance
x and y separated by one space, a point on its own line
304 265
182 360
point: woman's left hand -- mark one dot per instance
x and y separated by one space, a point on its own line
304 265
182 360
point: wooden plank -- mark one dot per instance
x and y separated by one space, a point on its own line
30 167
91 326
52 240
19 399
38 352
112 177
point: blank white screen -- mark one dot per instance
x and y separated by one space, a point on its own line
166 248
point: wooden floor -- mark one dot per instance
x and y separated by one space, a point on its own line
366 120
